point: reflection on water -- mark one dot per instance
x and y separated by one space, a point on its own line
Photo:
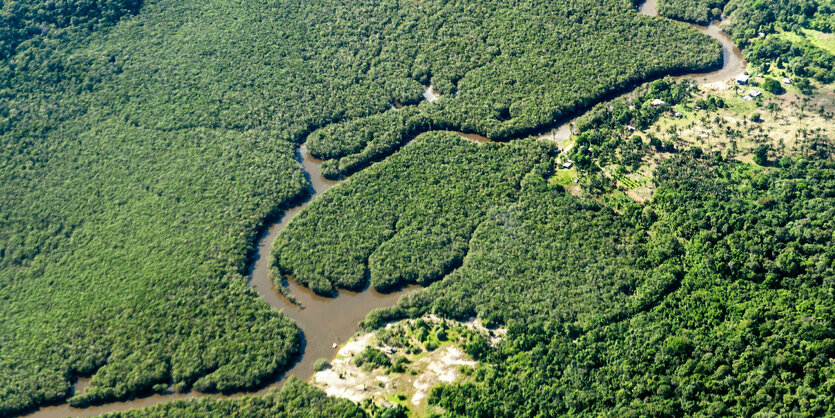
559 134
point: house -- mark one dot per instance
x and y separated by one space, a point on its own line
787 80
743 79
754 93
657 102
566 165
747 98
678 115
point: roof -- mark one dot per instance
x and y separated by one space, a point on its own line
754 92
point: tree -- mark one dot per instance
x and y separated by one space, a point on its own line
761 154
773 86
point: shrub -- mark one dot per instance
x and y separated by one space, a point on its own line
321 364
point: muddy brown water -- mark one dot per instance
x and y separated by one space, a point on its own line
733 64
480 139
323 320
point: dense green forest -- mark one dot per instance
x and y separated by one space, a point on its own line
407 219
295 399
512 91
700 12
142 147
113 261
21 21
714 299
750 17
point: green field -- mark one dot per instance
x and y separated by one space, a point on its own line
824 41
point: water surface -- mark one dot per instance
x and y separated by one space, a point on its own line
324 321
733 64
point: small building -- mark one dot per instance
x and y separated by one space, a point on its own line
657 102
761 35
566 165
743 79
747 98
754 93
787 80
630 128
678 115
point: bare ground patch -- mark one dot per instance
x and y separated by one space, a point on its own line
403 362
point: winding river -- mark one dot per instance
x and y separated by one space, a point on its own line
733 64
326 321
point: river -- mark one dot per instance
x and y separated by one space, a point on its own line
733 64
325 320
322 320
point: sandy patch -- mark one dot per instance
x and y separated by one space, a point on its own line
442 367
342 379
424 370
431 95
789 124
716 86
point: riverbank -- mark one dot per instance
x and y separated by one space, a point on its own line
420 353
323 321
